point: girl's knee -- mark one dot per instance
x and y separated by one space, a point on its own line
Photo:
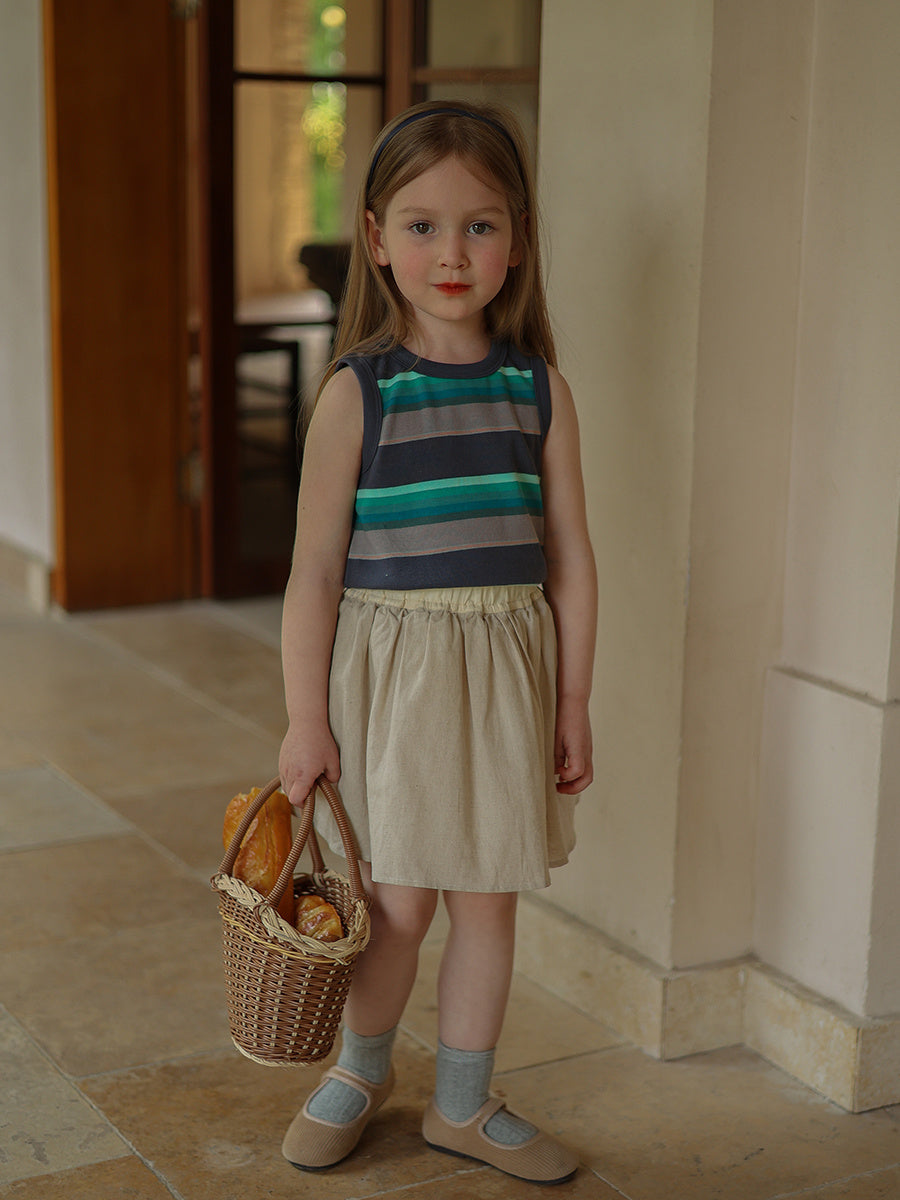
482 908
402 912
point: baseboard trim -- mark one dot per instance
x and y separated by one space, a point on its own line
854 1061
671 1014
25 576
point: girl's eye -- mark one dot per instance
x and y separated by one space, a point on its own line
480 227
421 227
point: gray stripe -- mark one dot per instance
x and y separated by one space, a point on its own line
471 533
446 420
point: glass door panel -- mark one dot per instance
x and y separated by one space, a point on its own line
301 89
294 183
313 37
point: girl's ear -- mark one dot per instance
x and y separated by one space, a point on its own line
376 240
519 242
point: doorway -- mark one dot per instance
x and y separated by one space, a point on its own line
299 89
289 95
221 144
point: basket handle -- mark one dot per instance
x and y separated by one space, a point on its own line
304 833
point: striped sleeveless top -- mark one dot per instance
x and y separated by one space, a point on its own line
449 492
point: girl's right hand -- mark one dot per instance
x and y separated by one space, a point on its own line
308 751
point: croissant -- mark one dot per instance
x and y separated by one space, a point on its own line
266 844
318 919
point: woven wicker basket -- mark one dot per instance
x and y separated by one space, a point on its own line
286 991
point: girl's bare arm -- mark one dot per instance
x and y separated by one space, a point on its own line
571 588
331 463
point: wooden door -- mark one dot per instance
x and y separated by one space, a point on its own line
114 98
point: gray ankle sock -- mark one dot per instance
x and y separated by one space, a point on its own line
369 1057
462 1085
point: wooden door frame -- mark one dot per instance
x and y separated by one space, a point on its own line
218 509
114 72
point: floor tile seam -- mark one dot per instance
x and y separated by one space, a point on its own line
132 1149
418 1038
192 875
174 1060
815 1188
607 1182
202 779
129 828
69 1080
71 781
29 1037
427 1045
74 839
171 680
423 1042
568 1058
189 873
174 926
554 996
418 1183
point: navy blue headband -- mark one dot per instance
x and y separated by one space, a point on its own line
437 112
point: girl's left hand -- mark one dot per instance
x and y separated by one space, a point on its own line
574 764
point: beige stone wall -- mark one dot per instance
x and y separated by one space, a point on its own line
742 436
720 183
26 491
623 146
829 887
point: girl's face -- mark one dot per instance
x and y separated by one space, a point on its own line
448 238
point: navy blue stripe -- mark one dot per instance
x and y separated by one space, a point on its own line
491 567
439 458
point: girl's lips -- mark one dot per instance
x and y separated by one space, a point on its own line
453 289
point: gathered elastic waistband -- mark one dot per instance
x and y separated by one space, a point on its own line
458 599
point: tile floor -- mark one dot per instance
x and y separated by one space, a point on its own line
122 736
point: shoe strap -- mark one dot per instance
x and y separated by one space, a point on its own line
358 1082
491 1106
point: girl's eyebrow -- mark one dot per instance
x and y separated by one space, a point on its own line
426 212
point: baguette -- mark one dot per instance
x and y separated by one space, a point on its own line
265 847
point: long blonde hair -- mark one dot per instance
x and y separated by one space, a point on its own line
373 314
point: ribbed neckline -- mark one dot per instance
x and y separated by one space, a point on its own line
477 370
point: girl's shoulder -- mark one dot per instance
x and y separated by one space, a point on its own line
340 398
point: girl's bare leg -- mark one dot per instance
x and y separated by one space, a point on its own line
386 970
473 990
383 979
476 968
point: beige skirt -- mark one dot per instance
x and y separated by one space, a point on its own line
443 705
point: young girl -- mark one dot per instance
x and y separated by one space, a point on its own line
439 620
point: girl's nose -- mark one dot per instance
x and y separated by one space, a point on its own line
453 254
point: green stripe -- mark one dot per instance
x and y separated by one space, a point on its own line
444 499
415 378
462 481
412 390
507 501
409 521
